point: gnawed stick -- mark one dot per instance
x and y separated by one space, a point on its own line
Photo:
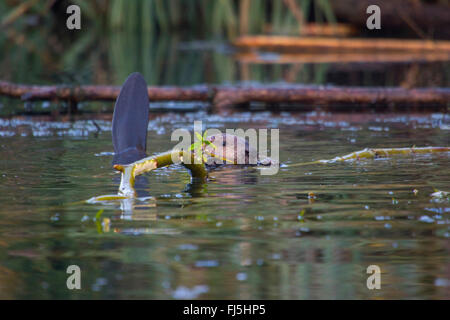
131 171
198 171
370 153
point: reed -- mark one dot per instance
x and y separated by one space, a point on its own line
218 18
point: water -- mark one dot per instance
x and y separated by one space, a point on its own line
107 58
240 236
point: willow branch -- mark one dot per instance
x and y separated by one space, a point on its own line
130 172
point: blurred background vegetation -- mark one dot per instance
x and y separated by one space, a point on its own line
186 42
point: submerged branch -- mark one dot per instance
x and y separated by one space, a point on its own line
198 170
224 97
383 153
131 171
370 153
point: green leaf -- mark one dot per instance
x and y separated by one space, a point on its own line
210 144
199 136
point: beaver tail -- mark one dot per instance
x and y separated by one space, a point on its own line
130 121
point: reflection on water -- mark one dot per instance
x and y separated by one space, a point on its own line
89 56
92 57
241 235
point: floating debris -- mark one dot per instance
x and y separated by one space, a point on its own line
440 194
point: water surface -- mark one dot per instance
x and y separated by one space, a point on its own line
239 236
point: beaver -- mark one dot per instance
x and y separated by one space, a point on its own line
227 151
130 123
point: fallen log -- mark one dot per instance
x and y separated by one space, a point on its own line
313 44
334 95
228 96
97 93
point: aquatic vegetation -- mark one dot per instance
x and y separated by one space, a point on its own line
200 144
217 17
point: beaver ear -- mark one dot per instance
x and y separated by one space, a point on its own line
130 121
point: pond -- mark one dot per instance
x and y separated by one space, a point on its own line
239 236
